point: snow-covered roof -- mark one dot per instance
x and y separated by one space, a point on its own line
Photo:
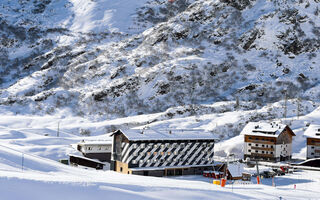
175 134
95 142
313 131
236 170
263 129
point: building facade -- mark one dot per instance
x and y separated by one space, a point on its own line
312 135
267 141
162 153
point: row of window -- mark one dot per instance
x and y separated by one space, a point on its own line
175 145
262 145
263 152
168 160
262 139
99 148
167 153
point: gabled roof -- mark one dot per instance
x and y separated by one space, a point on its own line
264 129
236 170
313 131
174 134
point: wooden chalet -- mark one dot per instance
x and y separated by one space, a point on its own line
162 152
267 141
313 141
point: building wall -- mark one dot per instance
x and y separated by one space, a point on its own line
313 148
258 147
103 157
122 168
283 150
94 148
168 153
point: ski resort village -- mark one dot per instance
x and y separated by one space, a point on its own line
159 99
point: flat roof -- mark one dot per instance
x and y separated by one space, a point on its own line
263 129
172 134
313 131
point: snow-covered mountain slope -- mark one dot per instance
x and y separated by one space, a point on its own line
108 60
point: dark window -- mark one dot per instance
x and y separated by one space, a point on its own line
256 145
249 150
271 152
312 147
256 151
120 169
312 153
263 145
262 151
249 144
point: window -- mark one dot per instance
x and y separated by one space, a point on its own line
143 145
141 153
256 151
140 161
135 153
256 145
312 153
155 153
134 162
182 145
249 150
312 147
162 146
249 144
149 153
263 145
176 153
148 161
271 152
155 146
120 169
271 146
134 146
169 153
262 151
162 153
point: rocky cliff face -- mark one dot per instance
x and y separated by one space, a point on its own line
166 55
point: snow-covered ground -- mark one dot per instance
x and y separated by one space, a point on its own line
33 141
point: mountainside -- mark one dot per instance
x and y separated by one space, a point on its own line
107 59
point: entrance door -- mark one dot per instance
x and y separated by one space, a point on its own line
178 172
170 172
